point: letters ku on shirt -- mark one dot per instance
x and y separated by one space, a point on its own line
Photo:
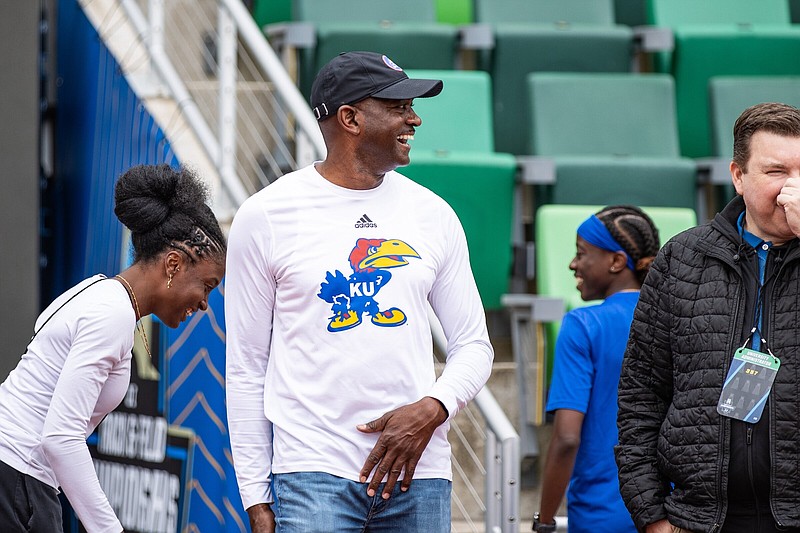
353 298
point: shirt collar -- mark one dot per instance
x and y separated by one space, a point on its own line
749 238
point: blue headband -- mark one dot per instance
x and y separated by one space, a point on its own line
593 231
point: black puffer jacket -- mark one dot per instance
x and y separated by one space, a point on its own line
696 307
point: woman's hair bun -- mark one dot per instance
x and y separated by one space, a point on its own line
163 206
146 196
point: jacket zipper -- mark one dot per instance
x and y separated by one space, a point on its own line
749 442
769 277
722 502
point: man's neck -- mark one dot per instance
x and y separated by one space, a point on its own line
348 178
746 229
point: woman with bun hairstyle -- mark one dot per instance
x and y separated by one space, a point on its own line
77 366
615 248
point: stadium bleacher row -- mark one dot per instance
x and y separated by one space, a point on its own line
562 102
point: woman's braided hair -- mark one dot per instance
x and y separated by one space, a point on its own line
165 208
635 232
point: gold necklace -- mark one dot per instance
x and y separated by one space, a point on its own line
139 326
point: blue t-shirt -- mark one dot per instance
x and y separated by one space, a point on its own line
588 361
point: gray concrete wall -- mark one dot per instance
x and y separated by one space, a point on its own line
19 178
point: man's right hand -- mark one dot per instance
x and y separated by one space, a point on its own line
662 526
789 200
262 519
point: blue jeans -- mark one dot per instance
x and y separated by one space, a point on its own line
315 502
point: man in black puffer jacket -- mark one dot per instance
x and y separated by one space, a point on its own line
730 283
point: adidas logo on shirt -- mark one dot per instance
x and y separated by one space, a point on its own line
365 222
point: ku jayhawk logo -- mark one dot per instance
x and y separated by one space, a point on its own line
352 298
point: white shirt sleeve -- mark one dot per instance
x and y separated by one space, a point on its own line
455 300
249 301
96 348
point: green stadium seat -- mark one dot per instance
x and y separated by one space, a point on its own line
556 227
524 48
721 38
602 114
794 11
676 13
272 11
555 243
454 11
556 36
323 11
705 52
453 155
460 118
409 44
600 12
406 32
630 12
729 96
663 182
480 189
613 138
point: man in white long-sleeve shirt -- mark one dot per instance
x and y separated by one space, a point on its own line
333 403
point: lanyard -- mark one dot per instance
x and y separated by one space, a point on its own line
755 333
762 248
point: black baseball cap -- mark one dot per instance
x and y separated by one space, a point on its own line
352 76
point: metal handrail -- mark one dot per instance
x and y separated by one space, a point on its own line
269 62
502 466
169 76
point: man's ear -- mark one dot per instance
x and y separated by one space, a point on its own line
347 117
737 174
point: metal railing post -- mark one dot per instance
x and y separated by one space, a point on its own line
186 103
285 87
526 311
510 485
505 463
155 16
491 482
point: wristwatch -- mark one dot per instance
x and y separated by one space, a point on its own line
543 528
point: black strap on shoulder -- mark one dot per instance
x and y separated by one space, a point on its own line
65 303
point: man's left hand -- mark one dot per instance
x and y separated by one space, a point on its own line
789 199
405 433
